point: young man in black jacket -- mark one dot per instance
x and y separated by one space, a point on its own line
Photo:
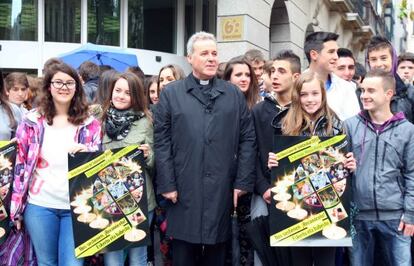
267 116
381 54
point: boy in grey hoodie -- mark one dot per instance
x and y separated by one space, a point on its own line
383 184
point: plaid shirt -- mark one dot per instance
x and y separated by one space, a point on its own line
29 142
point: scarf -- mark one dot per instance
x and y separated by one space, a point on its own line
118 122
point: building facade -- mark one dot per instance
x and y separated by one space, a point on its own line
407 35
31 31
271 25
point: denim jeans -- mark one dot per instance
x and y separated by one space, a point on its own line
395 246
137 256
51 233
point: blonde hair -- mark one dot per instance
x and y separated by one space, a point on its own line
297 120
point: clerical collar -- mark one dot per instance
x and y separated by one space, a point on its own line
202 82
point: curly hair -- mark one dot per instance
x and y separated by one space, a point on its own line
78 109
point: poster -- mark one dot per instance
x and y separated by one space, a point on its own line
311 193
108 200
7 159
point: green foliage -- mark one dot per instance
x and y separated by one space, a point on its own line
403 14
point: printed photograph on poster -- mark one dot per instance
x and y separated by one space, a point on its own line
310 193
108 200
7 159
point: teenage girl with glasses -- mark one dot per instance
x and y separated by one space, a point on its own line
40 198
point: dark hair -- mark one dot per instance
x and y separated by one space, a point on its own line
387 78
16 78
78 109
315 41
106 82
254 55
220 70
360 71
407 56
103 68
35 85
139 102
5 103
252 93
50 63
378 42
88 70
147 84
343 52
176 70
137 71
291 57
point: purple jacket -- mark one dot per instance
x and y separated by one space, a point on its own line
29 142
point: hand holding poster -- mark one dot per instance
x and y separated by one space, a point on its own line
311 193
108 200
7 160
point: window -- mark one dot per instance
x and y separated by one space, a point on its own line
62 21
209 16
18 20
104 22
189 21
151 24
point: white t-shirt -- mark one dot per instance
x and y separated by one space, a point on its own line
49 186
342 98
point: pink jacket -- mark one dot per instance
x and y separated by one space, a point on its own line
29 142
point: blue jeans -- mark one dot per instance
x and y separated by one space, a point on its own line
137 256
51 233
395 246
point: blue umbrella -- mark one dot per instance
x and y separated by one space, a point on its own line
119 59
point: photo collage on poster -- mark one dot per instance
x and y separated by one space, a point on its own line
310 198
108 200
7 160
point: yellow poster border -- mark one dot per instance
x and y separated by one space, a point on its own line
103 239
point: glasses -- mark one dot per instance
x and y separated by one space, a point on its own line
57 84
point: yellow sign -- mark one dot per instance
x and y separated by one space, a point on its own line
300 230
232 28
298 147
100 162
307 147
4 143
316 148
103 239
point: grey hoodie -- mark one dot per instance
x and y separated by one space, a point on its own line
383 184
